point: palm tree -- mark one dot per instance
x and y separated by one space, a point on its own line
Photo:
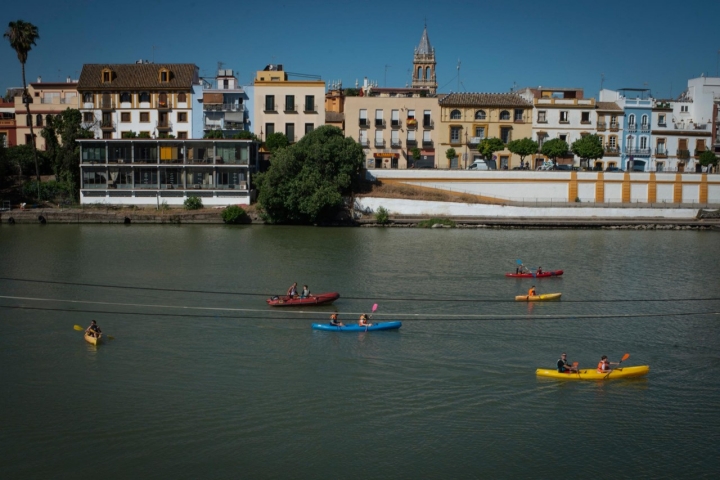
22 36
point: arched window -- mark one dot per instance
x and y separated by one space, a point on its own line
125 97
427 73
504 115
631 120
455 115
163 99
480 115
419 75
48 119
39 120
144 97
182 97
644 119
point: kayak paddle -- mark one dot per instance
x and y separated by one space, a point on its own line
81 329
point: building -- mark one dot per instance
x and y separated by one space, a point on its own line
335 106
142 99
637 104
48 99
468 118
166 171
287 106
423 76
562 113
610 128
224 102
8 136
391 123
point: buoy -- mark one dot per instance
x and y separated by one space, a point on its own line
126 221
42 220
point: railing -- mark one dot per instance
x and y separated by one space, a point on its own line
107 125
412 123
612 151
428 123
614 126
519 119
701 126
542 120
395 123
163 105
662 124
379 122
163 124
698 152
379 143
363 122
290 109
224 107
632 128
411 141
395 143
601 125
475 140
104 103
427 143
645 127
661 152
364 142
683 153
642 152
585 122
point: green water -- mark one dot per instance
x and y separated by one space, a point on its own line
209 385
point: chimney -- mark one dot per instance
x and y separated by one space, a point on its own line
69 80
39 79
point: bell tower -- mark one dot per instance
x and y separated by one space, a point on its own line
424 65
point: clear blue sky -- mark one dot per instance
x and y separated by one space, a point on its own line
528 43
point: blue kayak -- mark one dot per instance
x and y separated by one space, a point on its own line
357 328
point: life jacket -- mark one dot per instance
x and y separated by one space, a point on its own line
603 366
531 292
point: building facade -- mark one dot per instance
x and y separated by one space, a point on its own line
7 124
142 99
224 105
610 128
48 99
468 118
167 171
292 107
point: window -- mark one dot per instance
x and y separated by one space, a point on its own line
542 116
504 115
643 142
164 75
519 114
28 139
584 117
309 103
106 135
106 76
87 97
289 103
479 134
631 120
88 117
564 116
395 138
226 84
644 120
269 129
661 120
411 114
613 121
505 134
379 122
28 120
395 118
125 117
363 117
39 120
455 115
309 127
379 142
125 97
144 134
427 121
144 97
683 109
363 138
426 136
163 99
542 136
563 137
182 135
48 119
411 137
661 149
601 139
269 103
699 146
182 117
182 97
480 115
613 142
144 117
290 132
455 134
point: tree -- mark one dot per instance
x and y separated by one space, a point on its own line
306 182
22 36
144 135
275 141
60 134
488 146
555 148
214 134
588 147
129 134
245 135
523 147
450 153
708 158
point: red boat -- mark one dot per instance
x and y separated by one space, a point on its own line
549 273
319 299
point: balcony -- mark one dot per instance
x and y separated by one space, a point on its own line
661 152
427 142
163 125
632 128
662 124
475 140
107 104
542 120
213 124
107 125
412 123
645 127
364 142
163 105
395 143
601 126
363 122
411 141
290 109
395 123
428 123
698 152
683 153
614 127
564 122
519 119
612 151
379 123
585 122
224 107
379 143
638 152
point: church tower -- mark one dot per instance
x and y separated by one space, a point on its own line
424 65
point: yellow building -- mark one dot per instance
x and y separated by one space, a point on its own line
468 118
48 99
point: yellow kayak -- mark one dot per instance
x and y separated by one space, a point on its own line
592 374
538 298
93 340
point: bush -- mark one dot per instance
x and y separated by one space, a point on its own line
382 216
193 203
233 214
48 190
433 221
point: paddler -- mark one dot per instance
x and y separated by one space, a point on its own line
563 365
93 330
363 322
532 292
292 291
604 365
334 321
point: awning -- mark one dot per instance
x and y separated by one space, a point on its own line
386 155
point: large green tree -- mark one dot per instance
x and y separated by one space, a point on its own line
523 147
708 158
22 36
245 135
555 148
22 159
214 134
275 141
306 182
488 146
60 134
588 147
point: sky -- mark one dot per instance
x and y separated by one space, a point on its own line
631 44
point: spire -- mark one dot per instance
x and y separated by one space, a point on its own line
424 48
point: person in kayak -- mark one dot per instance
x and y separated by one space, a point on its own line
532 292
563 365
539 271
305 292
363 322
93 330
292 291
335 321
604 365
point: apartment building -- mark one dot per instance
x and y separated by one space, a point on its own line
47 99
7 124
224 105
142 99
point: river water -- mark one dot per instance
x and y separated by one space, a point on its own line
203 380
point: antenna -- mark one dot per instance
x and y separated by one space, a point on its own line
458 75
602 80
153 52
220 65
386 67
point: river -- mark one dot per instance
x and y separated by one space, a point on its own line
203 380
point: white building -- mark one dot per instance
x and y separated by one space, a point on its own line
224 105
144 99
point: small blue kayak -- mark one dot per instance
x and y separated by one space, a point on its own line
357 328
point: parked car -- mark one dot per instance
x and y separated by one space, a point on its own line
479 165
564 167
614 169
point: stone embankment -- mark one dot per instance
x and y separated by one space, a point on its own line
110 216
